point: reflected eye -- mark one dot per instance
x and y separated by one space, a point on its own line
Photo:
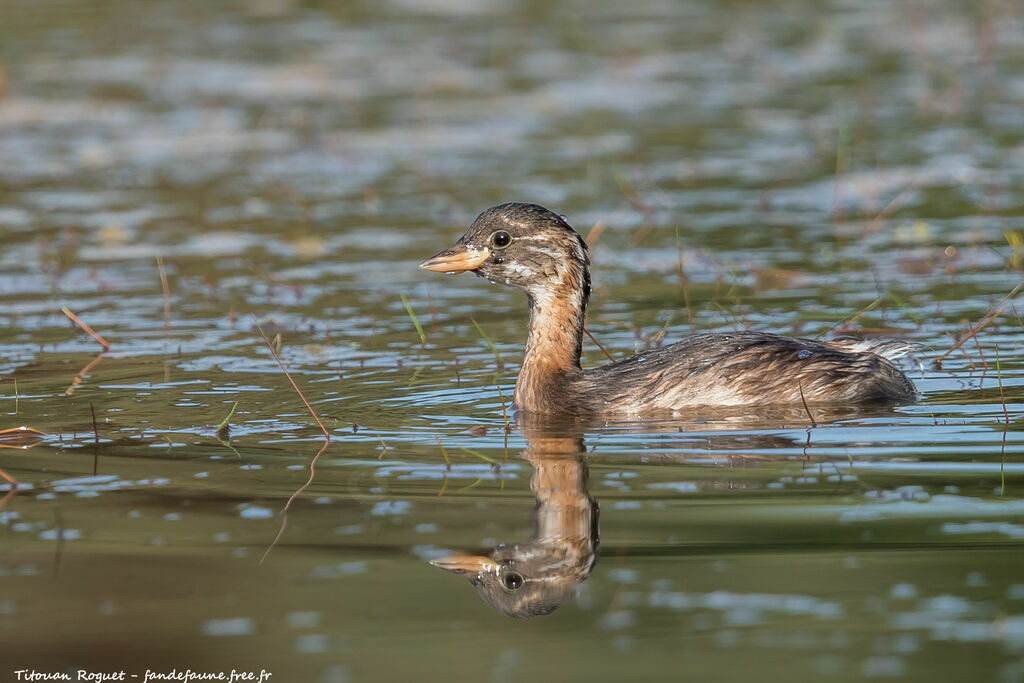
501 239
512 581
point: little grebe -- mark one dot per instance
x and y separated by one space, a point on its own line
534 578
533 249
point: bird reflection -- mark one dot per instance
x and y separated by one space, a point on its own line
534 578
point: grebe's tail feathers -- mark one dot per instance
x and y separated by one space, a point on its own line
889 349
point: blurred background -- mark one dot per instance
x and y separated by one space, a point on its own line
174 172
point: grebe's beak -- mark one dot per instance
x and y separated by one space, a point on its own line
458 259
467 565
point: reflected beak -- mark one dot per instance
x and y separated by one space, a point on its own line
467 565
458 259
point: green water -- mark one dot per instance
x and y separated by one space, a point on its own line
801 168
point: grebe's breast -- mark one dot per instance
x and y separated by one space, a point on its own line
744 368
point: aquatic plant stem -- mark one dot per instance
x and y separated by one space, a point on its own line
223 426
479 455
167 292
14 482
857 316
470 486
91 332
3 475
327 435
803 400
415 321
18 430
894 205
312 463
82 374
480 330
1006 418
684 283
95 441
992 314
444 453
284 510
895 298
594 234
603 350
504 412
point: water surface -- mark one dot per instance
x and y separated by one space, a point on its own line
796 167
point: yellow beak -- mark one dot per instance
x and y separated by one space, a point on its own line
466 564
458 259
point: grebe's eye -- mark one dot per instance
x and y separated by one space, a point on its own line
512 581
501 239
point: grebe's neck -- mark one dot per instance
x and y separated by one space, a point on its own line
555 338
565 513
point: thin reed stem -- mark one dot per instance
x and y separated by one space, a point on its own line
480 330
91 332
594 339
415 321
166 290
992 314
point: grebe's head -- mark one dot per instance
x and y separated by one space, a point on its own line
520 245
527 580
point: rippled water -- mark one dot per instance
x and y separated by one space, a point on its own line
802 168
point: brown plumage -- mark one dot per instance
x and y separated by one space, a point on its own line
534 578
528 247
